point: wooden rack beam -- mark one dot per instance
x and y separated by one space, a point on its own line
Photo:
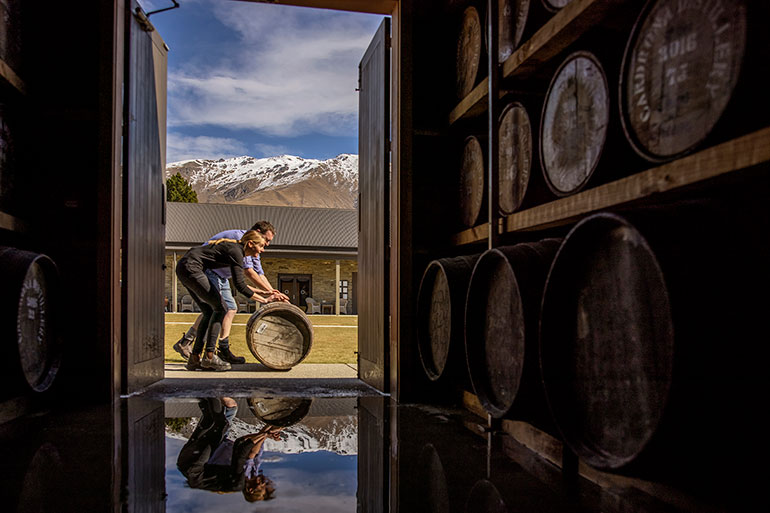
734 155
11 223
12 78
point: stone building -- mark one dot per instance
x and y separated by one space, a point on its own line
313 255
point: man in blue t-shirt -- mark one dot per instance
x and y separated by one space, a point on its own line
219 278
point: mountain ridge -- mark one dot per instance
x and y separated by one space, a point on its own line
286 180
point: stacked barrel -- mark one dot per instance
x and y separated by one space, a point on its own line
630 335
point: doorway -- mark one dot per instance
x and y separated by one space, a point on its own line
297 286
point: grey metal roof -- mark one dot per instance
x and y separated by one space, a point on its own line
296 227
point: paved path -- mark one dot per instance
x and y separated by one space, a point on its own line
257 370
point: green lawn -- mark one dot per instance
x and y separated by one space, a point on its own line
331 344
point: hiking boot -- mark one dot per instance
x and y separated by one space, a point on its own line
226 355
184 346
194 362
214 363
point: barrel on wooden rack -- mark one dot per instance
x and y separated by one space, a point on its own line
28 300
648 345
573 126
279 335
440 307
606 341
519 178
279 411
681 66
472 179
501 316
517 20
469 52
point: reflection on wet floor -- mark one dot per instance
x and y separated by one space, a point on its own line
274 453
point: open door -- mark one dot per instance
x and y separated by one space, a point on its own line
143 204
373 230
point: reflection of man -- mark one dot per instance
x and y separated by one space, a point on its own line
209 461
252 269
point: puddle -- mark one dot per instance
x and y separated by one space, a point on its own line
355 453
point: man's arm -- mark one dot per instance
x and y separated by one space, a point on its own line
256 279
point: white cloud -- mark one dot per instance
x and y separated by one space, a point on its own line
295 71
271 150
180 147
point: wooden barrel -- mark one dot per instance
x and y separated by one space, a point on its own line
517 21
472 180
555 5
279 411
520 181
573 125
440 307
29 301
469 52
680 69
606 341
279 335
501 316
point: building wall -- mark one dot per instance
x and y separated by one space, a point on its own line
322 270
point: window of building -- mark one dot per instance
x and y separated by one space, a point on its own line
343 289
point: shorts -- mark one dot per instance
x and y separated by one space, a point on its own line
223 286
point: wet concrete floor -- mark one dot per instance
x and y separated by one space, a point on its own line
310 446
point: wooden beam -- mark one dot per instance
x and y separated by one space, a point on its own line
728 157
384 7
734 155
12 223
10 76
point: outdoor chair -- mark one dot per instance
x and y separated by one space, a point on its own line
344 306
187 303
313 306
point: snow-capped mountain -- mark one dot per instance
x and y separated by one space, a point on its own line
286 180
338 434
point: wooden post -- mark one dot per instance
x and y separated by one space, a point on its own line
174 292
337 285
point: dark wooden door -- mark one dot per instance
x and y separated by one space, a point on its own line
373 455
143 209
373 234
144 456
297 286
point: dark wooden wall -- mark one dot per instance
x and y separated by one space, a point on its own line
373 235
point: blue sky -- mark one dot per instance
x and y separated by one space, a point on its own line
261 80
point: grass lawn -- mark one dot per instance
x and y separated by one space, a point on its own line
335 339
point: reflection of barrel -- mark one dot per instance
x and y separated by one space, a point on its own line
501 317
555 5
681 67
41 484
27 300
279 335
484 498
647 339
573 126
469 51
436 493
472 180
279 411
440 306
